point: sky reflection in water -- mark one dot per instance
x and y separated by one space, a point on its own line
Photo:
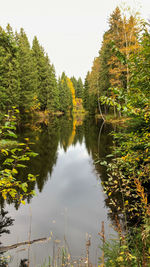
70 205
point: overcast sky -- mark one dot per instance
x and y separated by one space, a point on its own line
70 30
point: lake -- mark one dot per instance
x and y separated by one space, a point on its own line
69 205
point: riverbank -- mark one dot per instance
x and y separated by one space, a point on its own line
113 120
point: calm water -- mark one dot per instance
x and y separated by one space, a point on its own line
69 204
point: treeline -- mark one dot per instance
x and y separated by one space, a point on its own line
120 69
119 84
28 79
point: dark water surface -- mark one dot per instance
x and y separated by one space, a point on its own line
69 204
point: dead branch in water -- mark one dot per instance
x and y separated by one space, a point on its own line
4 249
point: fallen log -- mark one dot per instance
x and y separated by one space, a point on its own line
6 248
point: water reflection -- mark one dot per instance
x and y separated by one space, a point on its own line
5 222
68 202
65 132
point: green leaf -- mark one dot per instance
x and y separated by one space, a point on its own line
4 151
8 161
32 154
110 156
14 171
24 187
12 134
104 163
21 166
24 158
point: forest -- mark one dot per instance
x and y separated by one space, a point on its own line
28 79
116 90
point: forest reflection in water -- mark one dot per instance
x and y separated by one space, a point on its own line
68 200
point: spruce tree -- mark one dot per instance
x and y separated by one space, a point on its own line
65 94
53 90
41 66
110 74
47 89
27 72
86 93
79 89
74 81
9 80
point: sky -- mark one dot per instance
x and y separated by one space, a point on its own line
70 31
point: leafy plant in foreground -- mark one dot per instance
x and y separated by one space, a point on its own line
13 156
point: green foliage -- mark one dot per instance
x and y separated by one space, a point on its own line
65 95
86 94
53 102
74 81
78 86
46 90
12 159
127 186
27 79
111 69
128 180
9 70
27 74
130 250
79 89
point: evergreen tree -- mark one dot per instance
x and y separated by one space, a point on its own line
65 95
27 72
42 70
53 90
104 56
93 86
47 90
86 93
110 75
114 34
79 89
74 81
9 80
72 90
139 92
78 86
124 33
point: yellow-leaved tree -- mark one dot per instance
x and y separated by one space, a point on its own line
71 87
